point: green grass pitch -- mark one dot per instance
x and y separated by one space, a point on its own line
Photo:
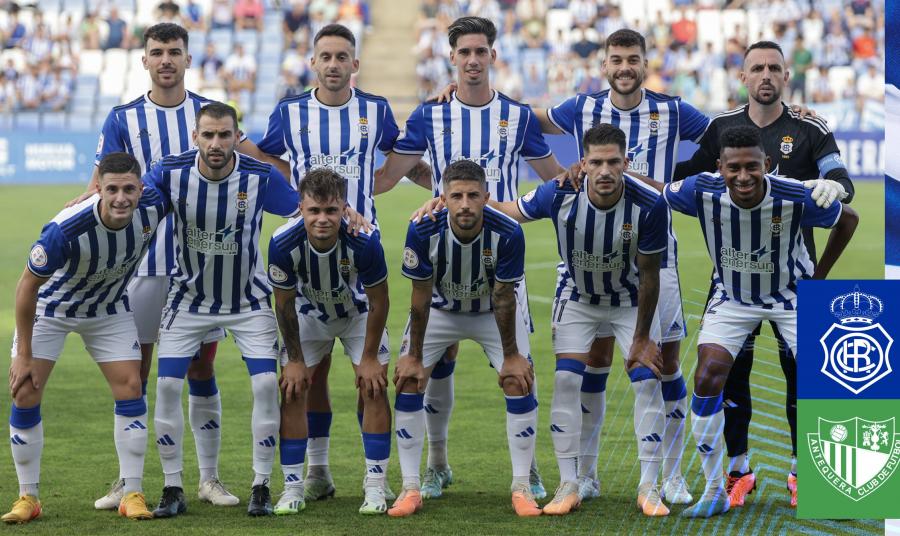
79 457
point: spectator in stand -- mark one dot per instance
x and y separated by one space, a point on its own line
865 49
7 94
296 24
211 68
56 92
117 35
169 11
240 75
296 73
684 30
221 15
821 88
836 47
508 81
29 88
433 73
584 47
869 86
801 61
89 32
584 13
39 45
193 16
248 14
15 31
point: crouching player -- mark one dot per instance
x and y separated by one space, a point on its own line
75 282
342 280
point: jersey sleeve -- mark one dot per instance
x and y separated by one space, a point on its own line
681 195
416 263
654 228
109 142
50 251
280 198
155 180
691 123
413 140
537 203
373 268
534 146
273 141
816 216
389 130
281 272
511 258
563 115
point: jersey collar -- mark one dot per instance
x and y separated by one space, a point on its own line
149 102
470 107
312 95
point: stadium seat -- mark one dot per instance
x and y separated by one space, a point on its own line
840 79
222 39
55 122
116 61
91 62
28 120
81 122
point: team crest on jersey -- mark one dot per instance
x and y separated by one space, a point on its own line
627 232
277 274
654 122
776 226
857 352
487 257
410 259
146 233
503 128
787 145
38 256
241 202
345 266
363 127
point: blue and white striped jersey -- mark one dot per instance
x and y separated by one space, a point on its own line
493 136
217 226
343 138
89 265
331 283
599 247
149 132
758 253
653 129
464 273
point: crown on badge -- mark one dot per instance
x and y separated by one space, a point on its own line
856 307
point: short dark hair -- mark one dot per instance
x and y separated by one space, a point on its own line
464 170
165 32
323 184
471 25
604 134
739 137
771 45
337 30
217 110
626 38
119 163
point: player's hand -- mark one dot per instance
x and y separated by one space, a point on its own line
371 377
81 197
519 369
356 222
410 369
824 191
573 175
428 209
21 370
803 110
444 95
645 353
295 380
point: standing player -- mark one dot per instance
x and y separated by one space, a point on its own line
751 223
799 147
342 281
464 267
481 125
218 198
87 254
610 237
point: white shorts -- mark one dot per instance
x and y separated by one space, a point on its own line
317 339
574 326
446 328
728 323
522 300
668 309
254 332
106 338
147 297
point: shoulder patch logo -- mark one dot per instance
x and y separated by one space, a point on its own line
277 274
38 256
674 186
410 259
529 196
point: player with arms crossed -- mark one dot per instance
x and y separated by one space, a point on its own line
751 222
218 197
464 267
486 127
610 236
800 147
75 282
342 281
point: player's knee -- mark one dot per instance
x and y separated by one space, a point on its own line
200 369
601 353
512 387
27 396
129 388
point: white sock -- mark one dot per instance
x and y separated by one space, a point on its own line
317 452
264 422
649 421
740 463
707 424
26 437
565 417
130 434
205 417
409 423
439 398
168 421
793 465
593 410
521 432
674 394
